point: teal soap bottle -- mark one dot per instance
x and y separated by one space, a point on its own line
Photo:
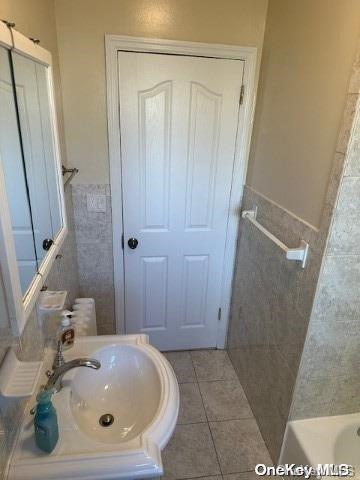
45 422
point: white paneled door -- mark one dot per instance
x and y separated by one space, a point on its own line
178 123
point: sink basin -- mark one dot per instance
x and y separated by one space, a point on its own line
127 387
113 422
323 440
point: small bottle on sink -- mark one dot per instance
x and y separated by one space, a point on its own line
66 331
45 422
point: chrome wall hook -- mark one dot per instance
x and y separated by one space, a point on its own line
8 23
72 171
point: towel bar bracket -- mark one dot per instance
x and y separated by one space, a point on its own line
250 213
299 254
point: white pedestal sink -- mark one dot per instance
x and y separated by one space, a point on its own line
113 422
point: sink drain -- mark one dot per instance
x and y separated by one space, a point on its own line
106 420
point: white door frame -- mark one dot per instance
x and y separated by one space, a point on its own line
114 43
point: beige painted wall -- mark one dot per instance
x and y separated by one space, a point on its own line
82 25
36 19
308 52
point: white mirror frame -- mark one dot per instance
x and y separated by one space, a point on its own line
19 305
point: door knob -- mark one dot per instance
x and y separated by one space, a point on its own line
47 243
133 243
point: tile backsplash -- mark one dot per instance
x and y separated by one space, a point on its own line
93 230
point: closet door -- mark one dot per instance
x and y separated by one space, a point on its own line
179 118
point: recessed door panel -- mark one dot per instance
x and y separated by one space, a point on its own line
195 285
154 136
204 131
154 292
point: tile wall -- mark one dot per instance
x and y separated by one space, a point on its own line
93 230
328 381
273 301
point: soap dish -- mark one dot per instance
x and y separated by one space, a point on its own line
52 301
18 379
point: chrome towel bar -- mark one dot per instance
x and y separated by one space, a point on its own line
297 254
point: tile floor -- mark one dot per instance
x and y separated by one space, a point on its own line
217 437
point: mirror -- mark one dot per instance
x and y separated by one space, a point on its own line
33 102
32 213
14 175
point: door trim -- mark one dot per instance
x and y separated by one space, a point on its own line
114 43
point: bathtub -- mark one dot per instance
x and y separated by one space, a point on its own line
323 440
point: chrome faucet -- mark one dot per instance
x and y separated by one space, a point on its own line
60 367
55 376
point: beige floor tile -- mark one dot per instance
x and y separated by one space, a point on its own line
191 405
242 476
239 445
225 400
248 476
211 365
190 453
212 477
182 365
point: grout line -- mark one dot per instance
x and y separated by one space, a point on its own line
253 413
240 473
232 419
217 421
206 415
202 476
218 475
222 380
193 365
253 417
187 382
192 423
237 376
207 422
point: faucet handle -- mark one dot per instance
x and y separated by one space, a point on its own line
59 359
